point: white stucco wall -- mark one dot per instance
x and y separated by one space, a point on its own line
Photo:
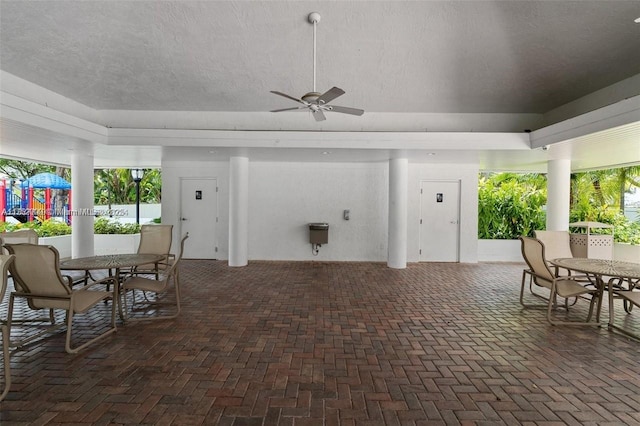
285 196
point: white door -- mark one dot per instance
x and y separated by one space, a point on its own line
439 221
198 217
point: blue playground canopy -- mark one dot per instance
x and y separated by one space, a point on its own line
46 180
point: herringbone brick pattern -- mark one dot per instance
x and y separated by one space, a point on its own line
309 343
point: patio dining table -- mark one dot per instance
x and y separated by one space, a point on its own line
113 263
606 275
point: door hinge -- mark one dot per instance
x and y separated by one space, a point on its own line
421 190
216 249
420 221
216 220
216 189
420 251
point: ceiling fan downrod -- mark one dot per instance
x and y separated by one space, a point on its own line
314 18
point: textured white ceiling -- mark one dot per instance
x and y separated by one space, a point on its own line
391 57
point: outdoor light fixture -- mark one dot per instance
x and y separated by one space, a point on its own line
137 175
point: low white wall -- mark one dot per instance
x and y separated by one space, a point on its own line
626 252
115 243
509 251
499 251
62 243
103 244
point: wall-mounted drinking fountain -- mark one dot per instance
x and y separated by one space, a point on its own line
318 235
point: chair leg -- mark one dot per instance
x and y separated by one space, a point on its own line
111 330
594 297
7 361
176 284
162 317
29 339
610 305
526 273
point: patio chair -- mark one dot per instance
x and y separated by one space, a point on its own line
556 245
630 297
155 239
539 273
158 286
37 279
5 261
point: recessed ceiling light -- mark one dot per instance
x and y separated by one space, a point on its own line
431 153
212 151
326 152
637 20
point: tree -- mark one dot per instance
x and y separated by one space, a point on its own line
603 188
116 186
16 169
626 178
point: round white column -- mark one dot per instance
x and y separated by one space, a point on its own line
558 194
398 180
82 204
238 211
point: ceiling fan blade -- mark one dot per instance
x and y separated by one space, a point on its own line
288 97
318 115
288 109
330 95
347 110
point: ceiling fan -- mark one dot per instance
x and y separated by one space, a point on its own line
318 103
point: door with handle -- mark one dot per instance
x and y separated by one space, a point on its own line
439 221
198 217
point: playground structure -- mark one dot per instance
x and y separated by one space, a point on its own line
32 198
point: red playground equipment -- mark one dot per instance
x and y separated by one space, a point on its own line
20 199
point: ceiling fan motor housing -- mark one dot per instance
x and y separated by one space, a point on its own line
311 97
314 17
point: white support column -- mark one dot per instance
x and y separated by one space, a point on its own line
558 194
238 211
398 196
82 201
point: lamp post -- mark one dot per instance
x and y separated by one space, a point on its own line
137 175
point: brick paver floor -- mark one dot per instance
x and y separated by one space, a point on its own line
313 343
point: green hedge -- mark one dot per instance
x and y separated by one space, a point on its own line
52 228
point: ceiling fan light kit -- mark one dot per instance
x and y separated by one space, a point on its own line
316 102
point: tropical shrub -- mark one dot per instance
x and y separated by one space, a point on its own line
103 225
46 228
624 230
52 228
510 205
